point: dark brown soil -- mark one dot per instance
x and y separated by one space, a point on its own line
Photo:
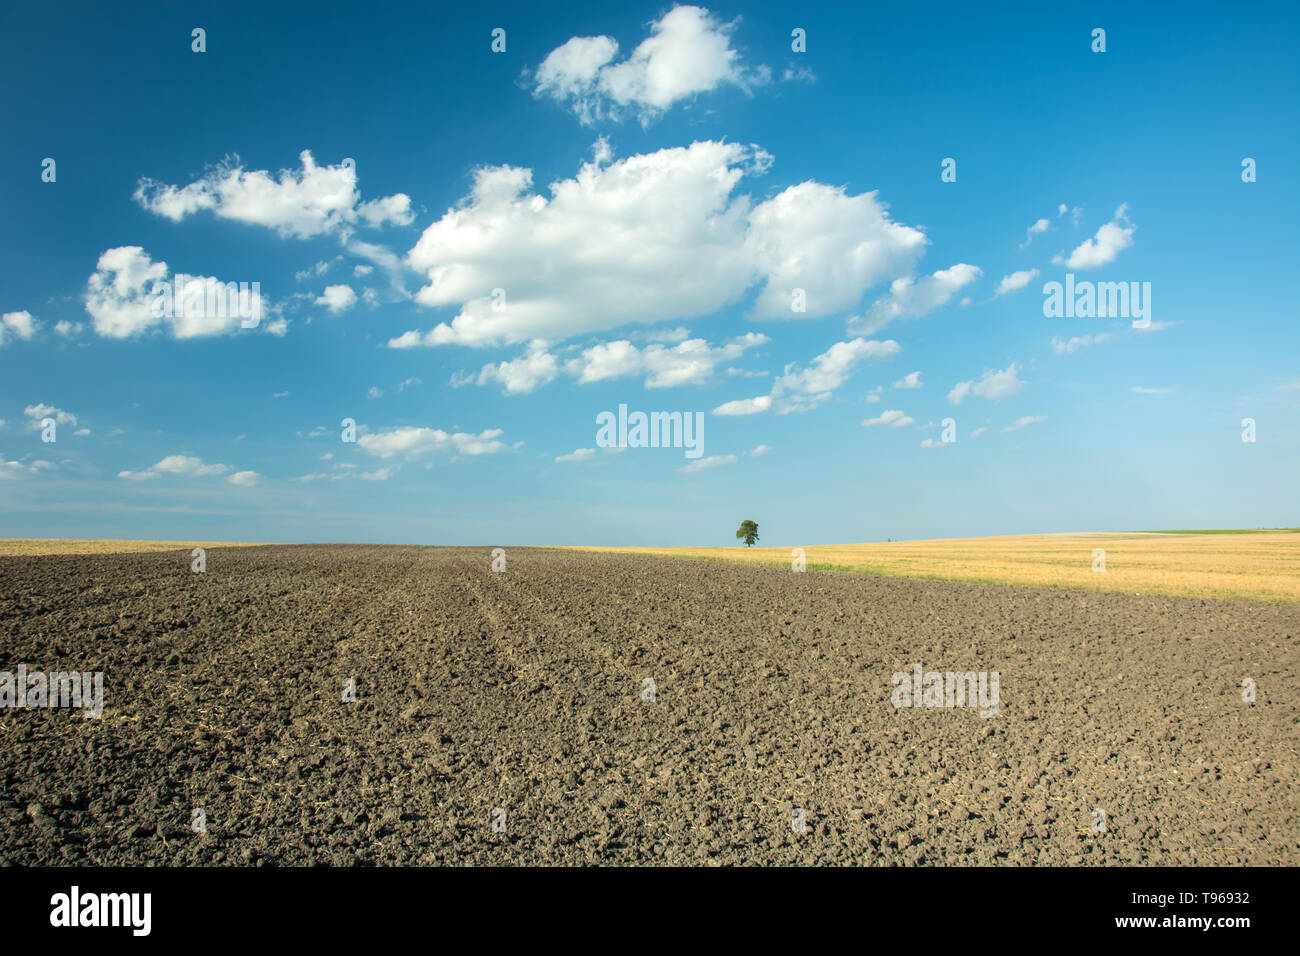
523 690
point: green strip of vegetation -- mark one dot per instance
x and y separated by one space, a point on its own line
1222 531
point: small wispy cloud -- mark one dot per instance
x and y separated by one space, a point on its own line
713 461
993 385
1024 422
1015 281
578 454
180 465
891 417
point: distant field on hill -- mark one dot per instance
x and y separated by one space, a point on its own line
1257 566
1221 531
20 547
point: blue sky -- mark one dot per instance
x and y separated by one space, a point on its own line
648 186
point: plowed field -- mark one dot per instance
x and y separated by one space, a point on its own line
768 735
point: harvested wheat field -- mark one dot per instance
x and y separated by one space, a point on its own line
1256 566
580 707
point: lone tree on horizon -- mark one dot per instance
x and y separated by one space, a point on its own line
748 531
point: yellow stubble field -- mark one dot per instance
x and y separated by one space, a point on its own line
1255 565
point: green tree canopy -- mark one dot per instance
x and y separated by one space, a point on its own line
748 531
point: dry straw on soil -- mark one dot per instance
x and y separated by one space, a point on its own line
1258 566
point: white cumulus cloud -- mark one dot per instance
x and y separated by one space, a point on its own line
305 202
691 362
1110 240
120 299
337 298
1039 226
687 53
18 324
412 441
992 385
745 406
593 255
184 465
39 412
1016 281
910 297
802 389
17 469
891 417
521 375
